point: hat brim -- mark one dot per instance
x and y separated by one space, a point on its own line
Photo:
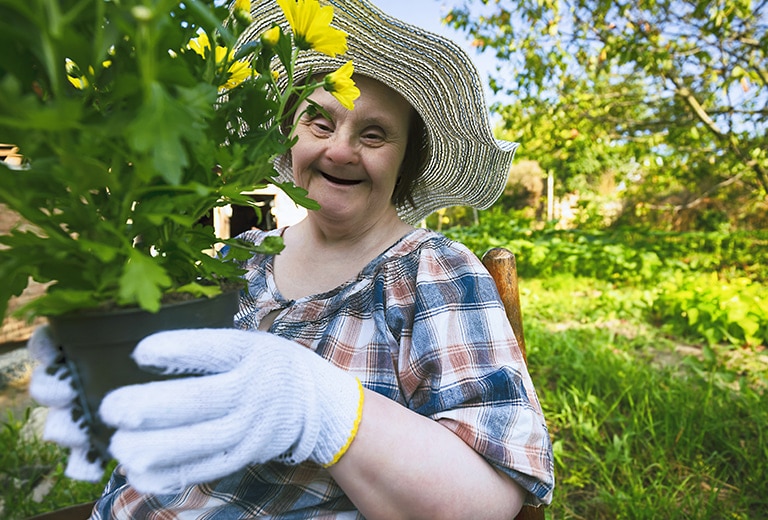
467 165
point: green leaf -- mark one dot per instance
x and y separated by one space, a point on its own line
105 252
298 195
142 282
59 301
693 315
166 123
271 245
198 290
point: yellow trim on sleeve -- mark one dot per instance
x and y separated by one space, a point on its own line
355 427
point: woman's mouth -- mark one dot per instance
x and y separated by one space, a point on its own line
336 180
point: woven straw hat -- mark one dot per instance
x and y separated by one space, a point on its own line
466 164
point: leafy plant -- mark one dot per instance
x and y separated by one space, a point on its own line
703 286
32 477
136 120
623 255
704 306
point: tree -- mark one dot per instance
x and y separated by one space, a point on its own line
670 95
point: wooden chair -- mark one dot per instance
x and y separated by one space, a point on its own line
502 265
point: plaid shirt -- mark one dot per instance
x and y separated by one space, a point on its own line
423 325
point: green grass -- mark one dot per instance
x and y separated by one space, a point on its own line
645 426
642 431
32 477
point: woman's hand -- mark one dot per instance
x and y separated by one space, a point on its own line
247 398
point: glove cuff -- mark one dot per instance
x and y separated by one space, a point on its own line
334 409
343 429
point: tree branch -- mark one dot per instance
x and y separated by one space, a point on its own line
700 198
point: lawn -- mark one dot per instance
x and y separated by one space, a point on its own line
644 426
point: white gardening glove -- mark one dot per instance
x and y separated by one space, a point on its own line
51 386
256 397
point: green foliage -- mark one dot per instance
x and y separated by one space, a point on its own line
626 255
708 287
706 307
645 440
133 127
32 477
667 96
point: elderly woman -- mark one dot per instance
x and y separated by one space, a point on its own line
372 372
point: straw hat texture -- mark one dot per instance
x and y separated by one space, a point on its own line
466 164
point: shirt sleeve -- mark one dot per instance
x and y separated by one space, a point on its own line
462 366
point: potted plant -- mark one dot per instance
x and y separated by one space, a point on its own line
135 120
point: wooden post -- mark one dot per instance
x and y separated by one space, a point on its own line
502 265
550 196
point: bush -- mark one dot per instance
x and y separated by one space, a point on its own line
703 306
32 477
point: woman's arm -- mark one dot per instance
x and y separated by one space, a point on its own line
404 465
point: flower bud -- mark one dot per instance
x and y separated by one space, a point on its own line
243 12
142 13
271 37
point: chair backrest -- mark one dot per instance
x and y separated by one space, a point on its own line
502 265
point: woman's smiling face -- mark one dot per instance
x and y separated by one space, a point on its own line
349 160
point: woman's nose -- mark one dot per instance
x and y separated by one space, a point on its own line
342 149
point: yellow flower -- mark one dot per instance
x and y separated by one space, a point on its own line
221 55
243 11
271 37
311 25
74 76
238 71
200 44
341 85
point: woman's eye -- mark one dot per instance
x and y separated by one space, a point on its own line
322 125
373 136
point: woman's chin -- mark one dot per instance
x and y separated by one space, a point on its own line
341 211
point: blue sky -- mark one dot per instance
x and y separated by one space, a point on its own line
425 13
428 14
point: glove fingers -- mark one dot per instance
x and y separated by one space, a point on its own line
194 351
159 483
174 478
172 403
54 390
62 429
151 450
42 347
79 467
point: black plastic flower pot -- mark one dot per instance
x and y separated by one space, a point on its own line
98 346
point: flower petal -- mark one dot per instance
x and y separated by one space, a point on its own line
340 84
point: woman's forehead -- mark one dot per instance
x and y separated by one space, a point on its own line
376 101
